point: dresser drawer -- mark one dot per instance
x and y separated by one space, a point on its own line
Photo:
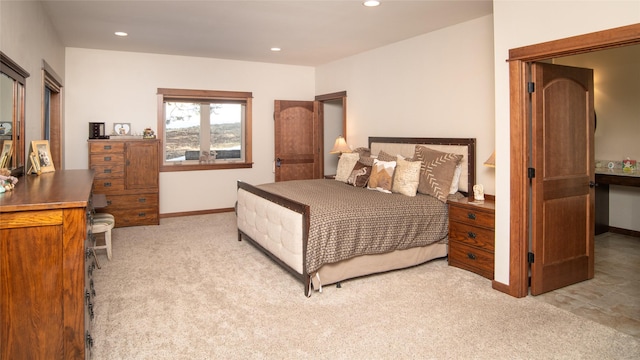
470 258
119 202
108 185
109 171
106 159
472 216
106 147
134 217
472 235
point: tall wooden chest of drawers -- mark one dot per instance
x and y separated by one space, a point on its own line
46 267
126 171
472 235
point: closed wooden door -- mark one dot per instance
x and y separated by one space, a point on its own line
141 165
298 139
562 194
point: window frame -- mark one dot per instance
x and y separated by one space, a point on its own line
165 95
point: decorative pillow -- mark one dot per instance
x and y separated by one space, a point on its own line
363 151
406 177
383 156
436 171
381 175
366 160
456 180
345 165
359 175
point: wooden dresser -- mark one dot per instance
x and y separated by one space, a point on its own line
472 235
127 173
46 298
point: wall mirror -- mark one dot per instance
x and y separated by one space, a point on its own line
12 120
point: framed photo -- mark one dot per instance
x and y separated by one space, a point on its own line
122 128
5 127
5 155
43 153
35 163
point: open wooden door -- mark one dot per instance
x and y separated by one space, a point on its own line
298 139
562 194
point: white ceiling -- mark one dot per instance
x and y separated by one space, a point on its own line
310 33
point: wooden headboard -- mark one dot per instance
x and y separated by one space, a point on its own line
405 146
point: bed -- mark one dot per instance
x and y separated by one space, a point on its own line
325 231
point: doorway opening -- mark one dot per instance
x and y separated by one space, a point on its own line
519 203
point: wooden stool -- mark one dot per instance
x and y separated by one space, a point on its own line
103 223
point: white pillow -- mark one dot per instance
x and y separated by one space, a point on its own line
345 164
406 177
456 180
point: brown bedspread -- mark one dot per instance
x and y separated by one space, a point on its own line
348 221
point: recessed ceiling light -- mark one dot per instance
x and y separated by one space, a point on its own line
275 49
121 33
371 3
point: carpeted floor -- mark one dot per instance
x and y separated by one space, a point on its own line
187 289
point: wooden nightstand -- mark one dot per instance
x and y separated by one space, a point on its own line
472 235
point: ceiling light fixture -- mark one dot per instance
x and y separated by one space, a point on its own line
275 49
371 3
121 33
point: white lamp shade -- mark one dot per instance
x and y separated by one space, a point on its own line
491 161
340 146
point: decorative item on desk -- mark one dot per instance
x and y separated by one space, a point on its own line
629 165
5 156
122 129
35 164
96 131
148 134
7 182
478 192
43 153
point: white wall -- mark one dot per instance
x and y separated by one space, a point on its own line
438 84
111 86
27 37
521 23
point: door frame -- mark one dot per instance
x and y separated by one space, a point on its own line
518 58
342 96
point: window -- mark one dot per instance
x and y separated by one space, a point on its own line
202 129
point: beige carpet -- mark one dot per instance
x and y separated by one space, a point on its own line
187 289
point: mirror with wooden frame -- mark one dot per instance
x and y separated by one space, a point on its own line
12 120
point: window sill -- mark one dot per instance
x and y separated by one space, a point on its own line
200 167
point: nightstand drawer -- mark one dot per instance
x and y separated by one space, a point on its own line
471 235
469 258
472 216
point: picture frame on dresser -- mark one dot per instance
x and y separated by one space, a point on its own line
35 164
122 128
5 156
43 152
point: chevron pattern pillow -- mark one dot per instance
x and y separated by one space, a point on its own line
437 169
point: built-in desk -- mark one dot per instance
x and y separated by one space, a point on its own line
604 178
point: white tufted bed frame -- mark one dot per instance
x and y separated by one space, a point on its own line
279 226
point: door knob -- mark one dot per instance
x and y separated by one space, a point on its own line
592 184
278 162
